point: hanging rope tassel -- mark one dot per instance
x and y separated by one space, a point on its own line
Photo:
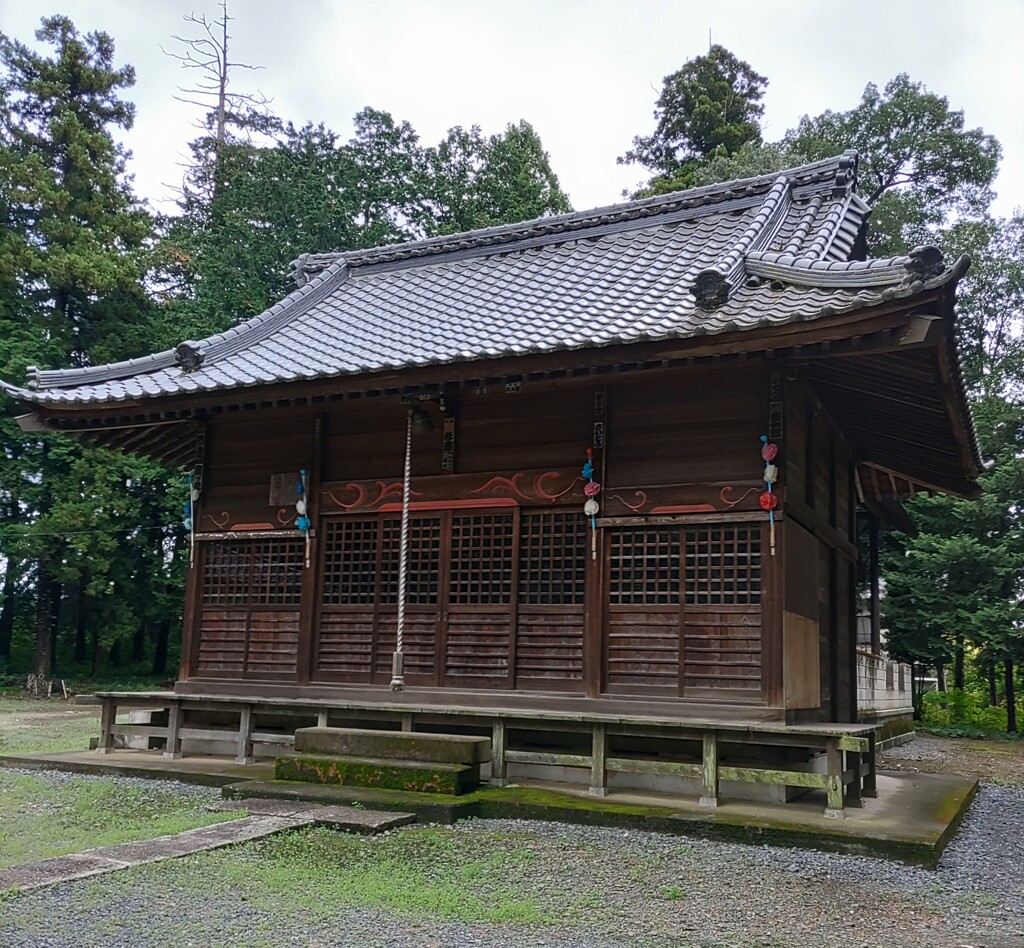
769 500
398 659
190 518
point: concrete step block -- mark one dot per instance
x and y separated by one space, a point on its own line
393 745
414 776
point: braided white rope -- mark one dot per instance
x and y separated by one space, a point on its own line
398 659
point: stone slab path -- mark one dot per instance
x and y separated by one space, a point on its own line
266 818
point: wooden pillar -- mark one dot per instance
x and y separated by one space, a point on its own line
870 788
321 719
172 750
874 576
599 761
710 770
834 781
498 765
245 755
407 723
108 714
308 611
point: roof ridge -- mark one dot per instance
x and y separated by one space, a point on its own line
836 174
190 355
713 285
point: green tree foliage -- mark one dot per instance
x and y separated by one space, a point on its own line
919 163
710 108
472 180
226 256
72 266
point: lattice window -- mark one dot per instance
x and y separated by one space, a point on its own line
644 567
723 564
253 572
277 568
482 559
552 558
350 562
423 576
226 573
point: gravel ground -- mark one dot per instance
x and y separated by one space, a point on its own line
597 887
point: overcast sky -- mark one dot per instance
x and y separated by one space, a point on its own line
584 72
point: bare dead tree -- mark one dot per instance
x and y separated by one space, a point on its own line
207 56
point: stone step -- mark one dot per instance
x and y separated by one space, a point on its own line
393 745
414 776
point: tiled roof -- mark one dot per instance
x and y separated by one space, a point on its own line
726 258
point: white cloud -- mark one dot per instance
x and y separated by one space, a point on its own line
584 72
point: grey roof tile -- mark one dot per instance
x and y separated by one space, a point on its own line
614 275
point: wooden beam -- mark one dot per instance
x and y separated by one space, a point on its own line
598 762
710 771
172 749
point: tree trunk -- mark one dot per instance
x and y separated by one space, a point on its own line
56 595
1011 699
44 619
94 667
139 643
940 674
993 690
81 644
958 666
163 635
7 614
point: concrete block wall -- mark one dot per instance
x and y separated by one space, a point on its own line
882 684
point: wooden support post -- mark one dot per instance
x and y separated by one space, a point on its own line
108 715
407 722
498 765
172 749
871 777
834 779
321 719
709 770
599 762
854 796
245 755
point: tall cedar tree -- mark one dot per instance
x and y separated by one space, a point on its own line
72 263
709 108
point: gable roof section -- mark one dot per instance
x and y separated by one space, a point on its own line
726 258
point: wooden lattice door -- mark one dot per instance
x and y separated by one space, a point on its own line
248 619
683 611
494 599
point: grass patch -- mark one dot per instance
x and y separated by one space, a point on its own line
41 726
419 873
43 818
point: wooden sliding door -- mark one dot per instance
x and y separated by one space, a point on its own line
683 611
494 599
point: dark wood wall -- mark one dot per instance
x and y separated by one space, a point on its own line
637 612
821 558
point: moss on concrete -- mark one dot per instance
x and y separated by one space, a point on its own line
449 779
882 838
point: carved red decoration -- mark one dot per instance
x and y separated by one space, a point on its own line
739 500
362 495
641 497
